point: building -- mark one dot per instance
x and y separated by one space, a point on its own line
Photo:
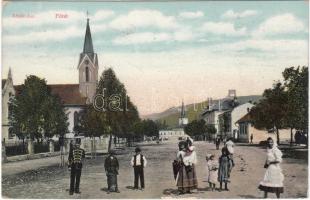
177 132
228 119
73 96
246 129
214 110
7 92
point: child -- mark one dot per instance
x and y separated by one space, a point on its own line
225 165
213 166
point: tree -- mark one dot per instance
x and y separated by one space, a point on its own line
35 112
296 83
271 111
195 128
146 128
119 112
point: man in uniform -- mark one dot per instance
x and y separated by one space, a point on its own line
76 156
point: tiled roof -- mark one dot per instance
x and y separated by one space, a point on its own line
68 93
3 83
245 118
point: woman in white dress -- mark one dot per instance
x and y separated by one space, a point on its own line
273 179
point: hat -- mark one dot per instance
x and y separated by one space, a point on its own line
137 150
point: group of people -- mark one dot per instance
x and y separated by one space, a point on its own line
184 168
111 166
219 170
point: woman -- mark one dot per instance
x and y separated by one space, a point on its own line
186 178
225 165
273 179
111 168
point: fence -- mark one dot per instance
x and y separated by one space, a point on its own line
16 148
41 147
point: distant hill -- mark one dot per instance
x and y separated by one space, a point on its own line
193 111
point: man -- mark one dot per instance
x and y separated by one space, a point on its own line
138 162
111 167
251 139
76 156
217 143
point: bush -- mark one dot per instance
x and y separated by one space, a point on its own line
41 147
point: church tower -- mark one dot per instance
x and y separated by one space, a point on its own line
183 120
88 67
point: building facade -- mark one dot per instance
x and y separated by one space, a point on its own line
7 92
74 97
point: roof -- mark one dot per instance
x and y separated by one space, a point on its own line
68 93
225 104
88 43
3 83
245 118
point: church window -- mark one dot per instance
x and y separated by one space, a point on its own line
87 74
76 118
87 90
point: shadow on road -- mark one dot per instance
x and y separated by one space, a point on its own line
130 187
249 197
170 191
104 189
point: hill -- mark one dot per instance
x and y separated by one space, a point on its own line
171 116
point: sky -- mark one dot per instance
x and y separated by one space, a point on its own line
164 52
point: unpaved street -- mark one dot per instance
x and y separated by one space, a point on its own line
53 182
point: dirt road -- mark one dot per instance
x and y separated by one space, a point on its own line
53 182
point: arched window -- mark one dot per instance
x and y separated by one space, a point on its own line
76 118
87 74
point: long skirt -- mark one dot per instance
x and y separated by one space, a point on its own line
112 182
273 180
187 179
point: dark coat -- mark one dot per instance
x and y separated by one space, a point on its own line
111 166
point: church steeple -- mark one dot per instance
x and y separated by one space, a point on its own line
88 42
182 110
88 67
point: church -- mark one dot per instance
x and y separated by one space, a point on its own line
177 132
73 96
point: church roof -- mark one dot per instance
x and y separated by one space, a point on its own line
68 93
88 42
3 83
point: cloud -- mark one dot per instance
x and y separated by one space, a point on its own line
284 47
191 15
150 37
223 28
44 36
141 38
230 14
144 18
280 24
102 15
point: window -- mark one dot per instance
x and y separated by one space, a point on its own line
76 118
87 74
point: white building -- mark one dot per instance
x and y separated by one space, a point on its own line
236 114
7 92
73 96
